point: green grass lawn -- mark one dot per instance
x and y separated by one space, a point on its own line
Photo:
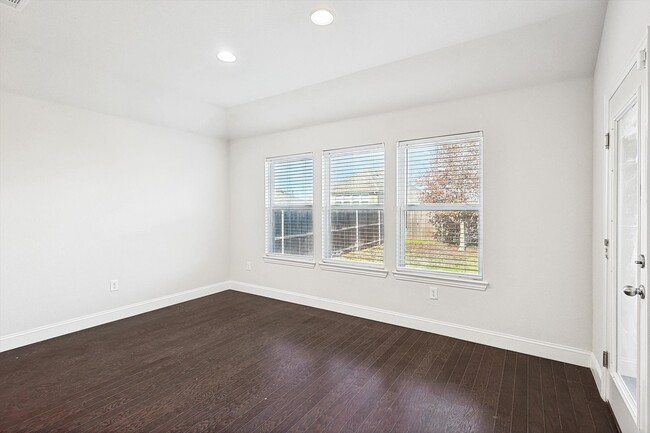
417 251
372 254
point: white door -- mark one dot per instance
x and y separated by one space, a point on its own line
627 387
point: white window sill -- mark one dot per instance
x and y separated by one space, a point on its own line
290 261
421 277
354 269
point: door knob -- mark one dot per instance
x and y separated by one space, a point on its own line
633 291
640 261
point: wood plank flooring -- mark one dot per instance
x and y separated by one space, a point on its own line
233 362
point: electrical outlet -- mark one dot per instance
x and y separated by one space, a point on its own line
114 286
249 266
433 293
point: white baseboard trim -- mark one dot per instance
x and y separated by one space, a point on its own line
46 332
597 372
505 341
514 343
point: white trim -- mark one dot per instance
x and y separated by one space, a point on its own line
326 197
291 157
290 261
597 372
630 416
624 394
627 367
269 206
445 138
12 341
403 206
345 150
603 384
354 269
420 277
515 343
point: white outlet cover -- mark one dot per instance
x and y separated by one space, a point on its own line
433 293
114 286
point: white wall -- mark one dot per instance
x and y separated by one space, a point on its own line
79 84
87 197
557 49
537 212
626 23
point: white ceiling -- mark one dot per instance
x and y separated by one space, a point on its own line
155 60
561 48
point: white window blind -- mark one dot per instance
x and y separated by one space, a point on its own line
353 204
289 203
440 204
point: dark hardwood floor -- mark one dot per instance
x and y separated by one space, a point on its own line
233 362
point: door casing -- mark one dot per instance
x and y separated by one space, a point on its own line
609 393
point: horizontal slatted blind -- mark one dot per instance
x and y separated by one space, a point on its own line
353 201
440 203
289 203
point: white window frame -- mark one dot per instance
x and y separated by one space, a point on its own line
329 263
442 278
282 258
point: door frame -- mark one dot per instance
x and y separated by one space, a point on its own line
643 405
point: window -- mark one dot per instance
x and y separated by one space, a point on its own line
353 205
440 205
289 202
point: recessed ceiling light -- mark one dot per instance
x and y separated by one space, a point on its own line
226 56
322 17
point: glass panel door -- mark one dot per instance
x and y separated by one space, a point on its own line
626 386
628 235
